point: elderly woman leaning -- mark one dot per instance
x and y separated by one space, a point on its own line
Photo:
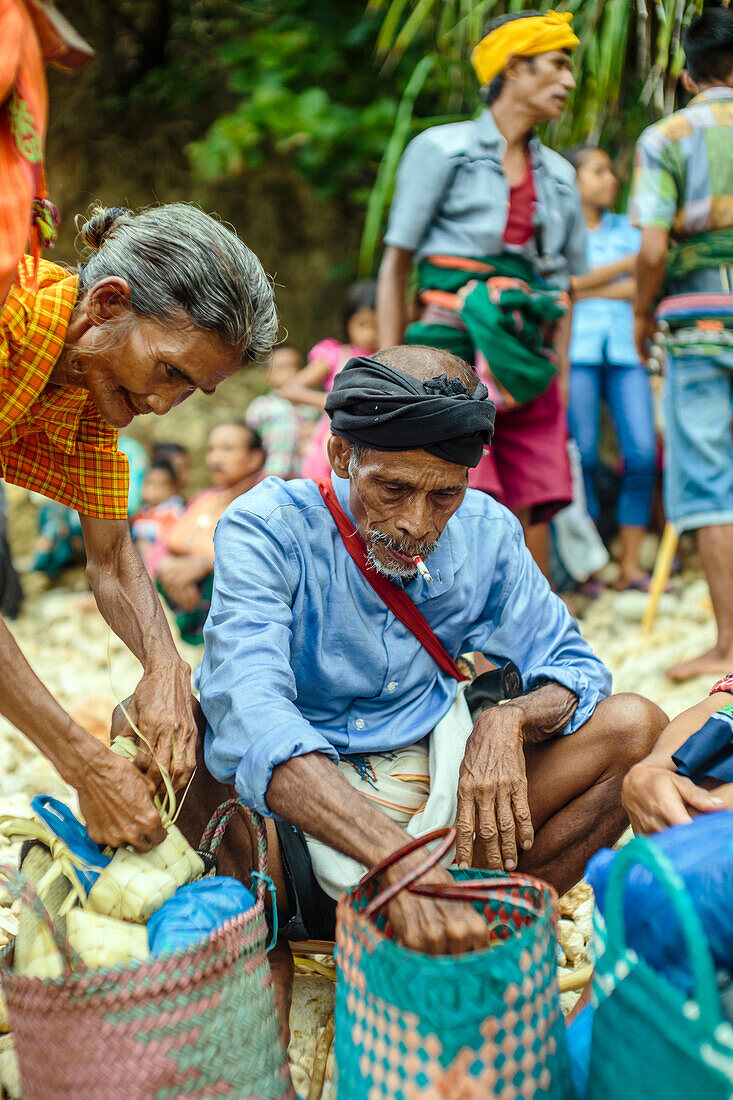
166 302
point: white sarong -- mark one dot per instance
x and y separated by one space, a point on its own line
398 782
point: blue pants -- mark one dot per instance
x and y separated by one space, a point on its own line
698 462
627 393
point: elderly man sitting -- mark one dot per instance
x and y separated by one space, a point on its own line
329 704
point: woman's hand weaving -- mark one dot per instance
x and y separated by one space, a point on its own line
493 818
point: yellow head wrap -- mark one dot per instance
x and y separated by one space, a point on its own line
526 37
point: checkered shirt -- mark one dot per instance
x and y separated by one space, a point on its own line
683 176
53 439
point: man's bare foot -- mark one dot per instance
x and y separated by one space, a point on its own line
713 664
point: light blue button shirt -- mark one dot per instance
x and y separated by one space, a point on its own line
602 327
301 655
452 198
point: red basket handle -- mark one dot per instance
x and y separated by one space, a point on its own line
448 834
482 891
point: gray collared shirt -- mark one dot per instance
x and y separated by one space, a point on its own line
452 198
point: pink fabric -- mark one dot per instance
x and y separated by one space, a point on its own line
527 465
336 354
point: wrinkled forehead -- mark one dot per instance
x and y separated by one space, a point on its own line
414 468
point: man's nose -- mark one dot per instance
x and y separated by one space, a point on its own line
569 80
415 523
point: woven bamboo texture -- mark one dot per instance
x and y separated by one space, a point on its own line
469 1027
197 1023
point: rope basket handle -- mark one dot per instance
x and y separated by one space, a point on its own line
22 889
666 875
448 835
213 835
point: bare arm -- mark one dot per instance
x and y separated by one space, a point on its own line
599 276
654 795
334 813
115 799
161 706
493 817
394 272
306 388
619 290
651 265
563 331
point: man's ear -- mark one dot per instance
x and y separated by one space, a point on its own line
107 299
339 454
688 83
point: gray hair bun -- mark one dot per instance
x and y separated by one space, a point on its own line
177 258
99 223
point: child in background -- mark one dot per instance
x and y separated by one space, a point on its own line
280 424
604 363
161 509
325 360
178 457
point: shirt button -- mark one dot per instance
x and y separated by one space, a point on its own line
360 723
391 685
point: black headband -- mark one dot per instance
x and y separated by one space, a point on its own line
376 406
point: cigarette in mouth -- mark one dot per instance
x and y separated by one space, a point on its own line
422 568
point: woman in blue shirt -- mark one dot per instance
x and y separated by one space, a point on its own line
604 363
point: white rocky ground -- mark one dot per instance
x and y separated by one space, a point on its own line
88 669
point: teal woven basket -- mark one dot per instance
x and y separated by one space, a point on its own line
650 1040
484 1024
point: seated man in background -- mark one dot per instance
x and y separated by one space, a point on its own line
325 710
184 562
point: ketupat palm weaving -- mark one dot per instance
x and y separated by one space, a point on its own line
481 1025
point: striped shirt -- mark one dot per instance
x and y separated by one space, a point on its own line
683 176
52 438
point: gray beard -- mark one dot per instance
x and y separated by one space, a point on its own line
396 569
399 569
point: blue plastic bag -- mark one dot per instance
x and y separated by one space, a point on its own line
702 853
580 1034
62 822
195 911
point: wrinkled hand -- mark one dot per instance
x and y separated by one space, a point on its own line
655 797
492 794
116 802
162 709
644 329
435 927
179 577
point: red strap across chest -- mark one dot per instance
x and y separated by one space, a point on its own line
392 595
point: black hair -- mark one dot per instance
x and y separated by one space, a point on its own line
165 466
708 45
491 92
165 450
578 155
255 439
362 295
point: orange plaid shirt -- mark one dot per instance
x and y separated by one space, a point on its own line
52 438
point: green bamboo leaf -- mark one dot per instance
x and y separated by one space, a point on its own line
388 30
383 185
413 25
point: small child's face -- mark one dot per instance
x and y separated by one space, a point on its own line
157 487
362 329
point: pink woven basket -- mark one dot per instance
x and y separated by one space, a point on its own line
196 1023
